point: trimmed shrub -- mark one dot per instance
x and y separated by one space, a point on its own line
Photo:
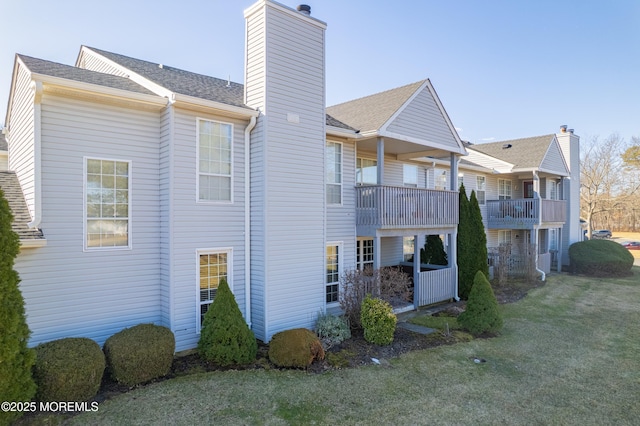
482 314
378 321
295 348
600 258
141 353
68 369
465 246
225 337
478 237
16 359
389 284
332 330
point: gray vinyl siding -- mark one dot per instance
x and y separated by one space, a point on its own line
341 223
21 136
391 251
289 253
553 160
70 292
423 117
202 225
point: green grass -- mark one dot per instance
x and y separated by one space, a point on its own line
439 323
569 354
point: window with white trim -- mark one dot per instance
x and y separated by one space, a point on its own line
553 239
213 267
481 187
504 189
442 179
215 160
504 237
408 247
366 171
410 175
333 273
334 172
107 205
460 179
553 190
364 253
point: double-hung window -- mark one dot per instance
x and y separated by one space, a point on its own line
213 267
504 189
410 175
366 171
504 237
333 273
553 190
107 203
364 253
481 187
334 172
215 161
442 179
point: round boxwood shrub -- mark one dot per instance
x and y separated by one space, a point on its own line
378 321
482 313
68 369
225 337
295 348
140 353
600 258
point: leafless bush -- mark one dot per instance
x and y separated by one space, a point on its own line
513 260
389 284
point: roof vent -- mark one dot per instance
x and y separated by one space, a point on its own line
563 128
304 9
506 146
160 66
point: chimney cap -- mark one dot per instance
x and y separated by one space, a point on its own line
563 128
304 9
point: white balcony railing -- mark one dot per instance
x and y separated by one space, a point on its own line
381 206
524 213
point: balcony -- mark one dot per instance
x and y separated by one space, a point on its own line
398 207
524 213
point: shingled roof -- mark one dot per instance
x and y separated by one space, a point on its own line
522 153
191 84
372 112
21 217
54 69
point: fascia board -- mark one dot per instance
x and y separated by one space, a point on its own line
189 102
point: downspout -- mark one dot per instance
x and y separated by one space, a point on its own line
247 219
36 88
536 193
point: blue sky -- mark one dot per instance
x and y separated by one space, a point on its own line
503 69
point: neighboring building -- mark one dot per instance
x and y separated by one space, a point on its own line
143 185
4 153
528 193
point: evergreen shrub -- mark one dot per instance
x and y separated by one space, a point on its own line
378 321
141 353
68 369
332 330
600 258
16 359
482 313
225 337
295 348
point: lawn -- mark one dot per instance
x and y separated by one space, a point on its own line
569 354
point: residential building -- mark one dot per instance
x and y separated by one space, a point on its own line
138 186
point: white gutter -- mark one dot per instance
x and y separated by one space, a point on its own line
535 229
247 220
36 87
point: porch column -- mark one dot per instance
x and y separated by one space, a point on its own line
380 161
416 270
376 252
452 255
453 182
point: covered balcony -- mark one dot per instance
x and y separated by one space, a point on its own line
396 207
525 213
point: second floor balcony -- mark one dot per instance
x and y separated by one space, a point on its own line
396 207
525 213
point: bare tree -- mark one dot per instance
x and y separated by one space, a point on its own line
605 187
